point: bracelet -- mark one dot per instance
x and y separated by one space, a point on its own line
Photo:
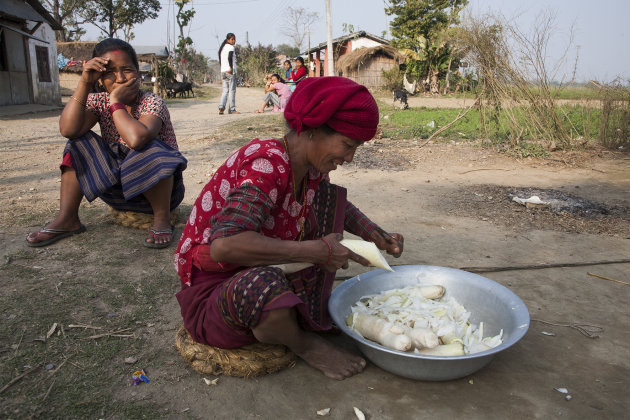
115 107
80 102
329 251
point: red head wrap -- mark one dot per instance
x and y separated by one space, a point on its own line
345 106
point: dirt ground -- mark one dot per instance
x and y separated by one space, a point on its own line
452 201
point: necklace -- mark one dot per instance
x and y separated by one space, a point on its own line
301 218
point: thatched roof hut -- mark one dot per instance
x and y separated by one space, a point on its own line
366 65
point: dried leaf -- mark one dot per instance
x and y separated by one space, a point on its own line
51 331
211 382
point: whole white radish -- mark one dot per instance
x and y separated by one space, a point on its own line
383 332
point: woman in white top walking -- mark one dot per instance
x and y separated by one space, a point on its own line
227 59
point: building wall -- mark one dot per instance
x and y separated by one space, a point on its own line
45 93
68 81
371 75
14 84
20 84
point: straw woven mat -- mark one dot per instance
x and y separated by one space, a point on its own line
247 361
142 221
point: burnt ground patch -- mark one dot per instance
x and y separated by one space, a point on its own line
565 212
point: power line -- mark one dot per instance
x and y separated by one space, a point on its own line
217 3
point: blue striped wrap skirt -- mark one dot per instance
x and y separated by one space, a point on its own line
119 175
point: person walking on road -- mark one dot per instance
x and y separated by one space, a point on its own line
227 60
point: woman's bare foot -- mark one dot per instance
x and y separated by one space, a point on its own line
280 327
333 361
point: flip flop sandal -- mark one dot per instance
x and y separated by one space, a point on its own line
58 235
155 233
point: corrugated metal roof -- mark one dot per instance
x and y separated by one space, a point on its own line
158 51
354 35
20 10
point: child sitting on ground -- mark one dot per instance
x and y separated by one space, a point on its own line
276 93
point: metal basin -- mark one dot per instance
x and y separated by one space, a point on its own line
488 301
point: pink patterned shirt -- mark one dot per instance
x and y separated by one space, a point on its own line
149 104
284 92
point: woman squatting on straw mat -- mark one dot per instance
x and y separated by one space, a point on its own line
272 203
134 166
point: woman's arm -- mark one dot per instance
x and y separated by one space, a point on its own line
136 133
252 249
301 72
76 119
235 237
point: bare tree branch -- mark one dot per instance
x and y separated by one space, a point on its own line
297 24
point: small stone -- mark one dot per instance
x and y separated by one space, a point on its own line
49 366
130 360
112 314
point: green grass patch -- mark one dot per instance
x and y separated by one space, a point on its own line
582 122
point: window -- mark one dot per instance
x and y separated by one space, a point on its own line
43 65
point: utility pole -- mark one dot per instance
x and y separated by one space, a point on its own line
329 43
309 51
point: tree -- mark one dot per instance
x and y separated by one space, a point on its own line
197 66
184 51
288 50
127 31
419 29
110 16
254 63
297 24
66 12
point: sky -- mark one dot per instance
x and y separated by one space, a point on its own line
599 28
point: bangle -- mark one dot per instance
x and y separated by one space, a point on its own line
115 107
329 251
80 102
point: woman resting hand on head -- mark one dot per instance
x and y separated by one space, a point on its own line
134 166
272 203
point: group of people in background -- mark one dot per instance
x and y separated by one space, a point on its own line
277 89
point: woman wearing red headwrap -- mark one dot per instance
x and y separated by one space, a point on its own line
272 203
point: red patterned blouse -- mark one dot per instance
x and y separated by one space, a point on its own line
260 163
149 104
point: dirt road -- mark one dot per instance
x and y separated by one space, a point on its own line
452 203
